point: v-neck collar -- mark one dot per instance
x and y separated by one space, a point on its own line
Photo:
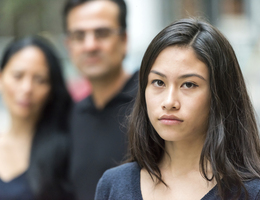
15 178
138 187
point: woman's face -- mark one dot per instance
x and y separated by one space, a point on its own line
178 95
25 84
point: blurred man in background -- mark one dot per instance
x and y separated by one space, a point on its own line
97 43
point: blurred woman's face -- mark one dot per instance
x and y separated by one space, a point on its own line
25 83
178 95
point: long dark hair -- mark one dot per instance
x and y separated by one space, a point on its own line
47 173
232 142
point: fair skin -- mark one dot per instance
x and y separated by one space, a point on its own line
178 102
98 59
25 88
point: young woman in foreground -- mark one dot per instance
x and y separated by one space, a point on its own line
34 151
193 133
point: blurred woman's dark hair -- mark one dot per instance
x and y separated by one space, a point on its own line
231 147
48 168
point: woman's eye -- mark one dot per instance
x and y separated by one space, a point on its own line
40 80
158 83
17 76
189 85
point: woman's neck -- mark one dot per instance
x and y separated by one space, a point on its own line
180 171
15 148
182 157
21 128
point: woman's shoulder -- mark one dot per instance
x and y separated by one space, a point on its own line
124 172
253 188
124 168
253 183
121 181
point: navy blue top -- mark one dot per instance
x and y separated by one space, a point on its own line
16 189
123 182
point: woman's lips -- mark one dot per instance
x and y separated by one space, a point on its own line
170 120
24 103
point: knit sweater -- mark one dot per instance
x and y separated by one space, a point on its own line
123 183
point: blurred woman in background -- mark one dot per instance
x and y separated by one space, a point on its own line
34 151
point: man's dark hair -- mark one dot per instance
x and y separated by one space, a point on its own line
232 146
70 4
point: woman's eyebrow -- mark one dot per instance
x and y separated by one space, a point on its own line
191 75
181 77
158 73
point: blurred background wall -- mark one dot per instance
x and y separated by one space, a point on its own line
239 20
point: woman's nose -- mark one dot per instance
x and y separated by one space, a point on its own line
171 100
27 85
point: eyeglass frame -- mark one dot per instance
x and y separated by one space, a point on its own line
80 38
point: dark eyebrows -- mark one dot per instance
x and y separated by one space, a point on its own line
158 73
190 75
181 77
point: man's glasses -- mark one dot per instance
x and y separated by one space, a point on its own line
99 33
